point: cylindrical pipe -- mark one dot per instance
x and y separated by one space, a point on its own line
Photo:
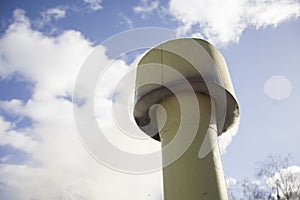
191 177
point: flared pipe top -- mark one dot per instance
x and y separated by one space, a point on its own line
177 65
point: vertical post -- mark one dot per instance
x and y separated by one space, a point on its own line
191 177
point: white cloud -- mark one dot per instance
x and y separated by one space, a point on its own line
287 180
55 13
48 16
283 175
226 138
94 5
126 20
16 139
222 22
60 167
146 7
4 125
52 73
20 18
231 181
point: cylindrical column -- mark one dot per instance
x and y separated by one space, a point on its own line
161 75
191 177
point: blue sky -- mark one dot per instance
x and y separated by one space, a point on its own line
44 43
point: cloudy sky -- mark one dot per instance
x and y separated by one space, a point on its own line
43 45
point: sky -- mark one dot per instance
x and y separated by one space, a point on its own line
45 44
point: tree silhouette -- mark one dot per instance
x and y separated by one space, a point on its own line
283 178
277 179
